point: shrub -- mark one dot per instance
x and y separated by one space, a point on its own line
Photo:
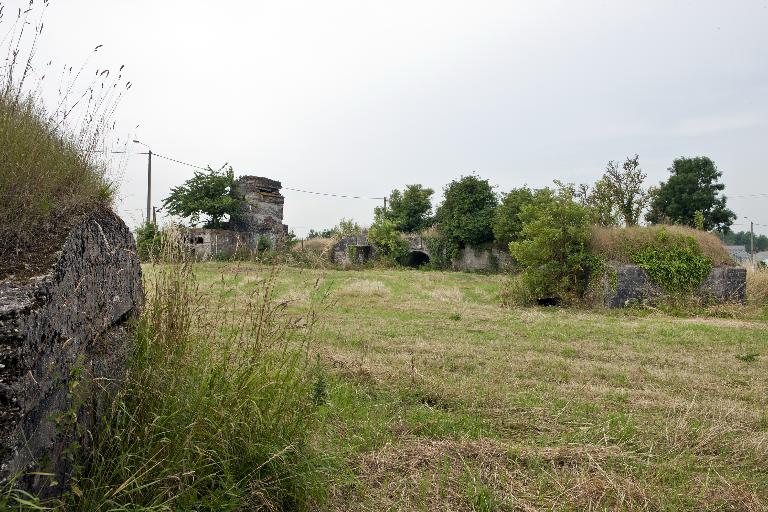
553 246
148 241
385 237
674 262
216 408
466 215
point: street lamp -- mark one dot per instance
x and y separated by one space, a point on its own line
149 179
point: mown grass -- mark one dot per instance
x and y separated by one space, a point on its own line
437 398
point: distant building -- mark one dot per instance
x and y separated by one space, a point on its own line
739 254
259 224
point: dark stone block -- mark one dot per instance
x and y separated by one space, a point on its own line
63 327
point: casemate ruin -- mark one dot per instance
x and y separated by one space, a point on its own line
258 225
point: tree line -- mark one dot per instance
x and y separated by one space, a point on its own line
473 214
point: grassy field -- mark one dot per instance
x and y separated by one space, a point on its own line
434 397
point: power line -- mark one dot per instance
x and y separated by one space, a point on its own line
327 194
333 195
178 161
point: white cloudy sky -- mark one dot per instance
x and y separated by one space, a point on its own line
360 97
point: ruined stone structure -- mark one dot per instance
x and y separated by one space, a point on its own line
358 249
259 223
627 284
63 341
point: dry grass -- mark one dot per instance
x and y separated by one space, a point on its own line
757 286
364 288
316 244
612 242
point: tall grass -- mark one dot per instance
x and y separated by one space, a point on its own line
52 168
216 410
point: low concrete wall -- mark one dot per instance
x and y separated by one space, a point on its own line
63 340
627 284
353 250
490 259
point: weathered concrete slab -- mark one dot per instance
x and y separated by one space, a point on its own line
627 284
62 338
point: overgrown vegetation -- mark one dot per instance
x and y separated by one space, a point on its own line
216 410
553 246
409 211
52 169
466 214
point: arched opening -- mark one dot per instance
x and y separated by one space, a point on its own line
416 259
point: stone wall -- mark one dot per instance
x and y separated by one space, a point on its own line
626 284
488 259
63 340
206 244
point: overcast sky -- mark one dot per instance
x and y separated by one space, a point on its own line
360 97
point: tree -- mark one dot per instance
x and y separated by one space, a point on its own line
206 193
410 210
624 185
346 228
693 186
600 201
507 224
553 245
466 215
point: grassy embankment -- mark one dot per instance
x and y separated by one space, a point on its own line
434 397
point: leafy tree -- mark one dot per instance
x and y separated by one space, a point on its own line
466 215
553 245
507 223
624 186
693 186
206 193
410 210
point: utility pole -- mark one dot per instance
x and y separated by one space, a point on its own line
149 178
149 185
752 243
154 215
385 204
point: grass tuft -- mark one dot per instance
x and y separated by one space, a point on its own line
216 409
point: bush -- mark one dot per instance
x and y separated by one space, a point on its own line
674 262
553 246
148 241
466 215
386 239
216 408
